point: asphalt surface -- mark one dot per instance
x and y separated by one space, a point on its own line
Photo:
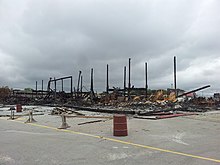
173 141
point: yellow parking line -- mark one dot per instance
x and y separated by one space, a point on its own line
21 118
125 142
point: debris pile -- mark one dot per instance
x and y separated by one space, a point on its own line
64 110
134 101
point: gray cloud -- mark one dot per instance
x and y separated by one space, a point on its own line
53 38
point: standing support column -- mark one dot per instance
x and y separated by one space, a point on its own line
81 85
146 80
175 75
124 80
91 88
78 81
48 85
55 90
36 88
129 79
74 89
42 88
107 80
62 85
71 88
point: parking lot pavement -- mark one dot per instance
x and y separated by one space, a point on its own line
170 141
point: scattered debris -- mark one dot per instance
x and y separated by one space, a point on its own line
89 122
82 116
171 116
59 111
155 116
145 117
150 104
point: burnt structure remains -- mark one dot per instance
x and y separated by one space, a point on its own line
128 96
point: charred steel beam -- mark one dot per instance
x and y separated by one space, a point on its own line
78 81
81 85
55 90
124 80
91 86
129 78
146 80
116 111
62 85
107 80
174 59
62 78
36 88
42 87
48 85
195 90
71 85
75 92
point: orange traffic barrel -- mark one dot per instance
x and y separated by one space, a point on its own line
18 108
120 125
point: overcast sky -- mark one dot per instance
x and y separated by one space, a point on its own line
54 38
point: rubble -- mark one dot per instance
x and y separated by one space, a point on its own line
64 110
159 104
89 122
130 100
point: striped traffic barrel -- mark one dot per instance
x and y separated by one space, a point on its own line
18 108
120 125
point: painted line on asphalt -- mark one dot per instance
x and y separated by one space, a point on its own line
124 142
